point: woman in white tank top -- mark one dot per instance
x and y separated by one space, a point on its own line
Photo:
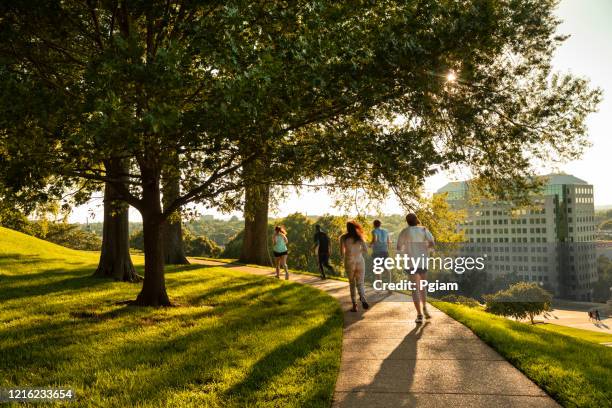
415 241
352 247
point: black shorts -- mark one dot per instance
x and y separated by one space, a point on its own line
419 271
279 254
383 255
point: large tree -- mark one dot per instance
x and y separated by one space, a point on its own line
354 90
172 232
115 260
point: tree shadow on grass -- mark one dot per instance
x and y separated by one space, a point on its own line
16 259
201 356
53 281
271 367
232 321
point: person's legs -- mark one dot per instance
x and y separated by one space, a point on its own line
277 261
323 259
360 281
350 274
423 294
284 258
416 278
327 265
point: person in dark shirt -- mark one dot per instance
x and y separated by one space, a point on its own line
323 246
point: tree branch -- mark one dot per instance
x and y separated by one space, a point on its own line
96 23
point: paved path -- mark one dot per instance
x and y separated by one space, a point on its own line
389 361
576 319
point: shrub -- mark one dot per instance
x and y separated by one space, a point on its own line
137 240
233 247
194 245
521 300
201 246
72 236
463 300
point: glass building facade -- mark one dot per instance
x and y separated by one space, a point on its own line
550 242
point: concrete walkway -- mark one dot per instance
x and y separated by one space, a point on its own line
576 319
389 361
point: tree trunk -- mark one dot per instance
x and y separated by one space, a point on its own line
153 291
174 250
255 242
115 261
172 232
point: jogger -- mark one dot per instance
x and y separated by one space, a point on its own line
416 241
323 247
279 247
380 244
353 246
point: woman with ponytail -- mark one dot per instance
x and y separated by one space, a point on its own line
352 247
279 247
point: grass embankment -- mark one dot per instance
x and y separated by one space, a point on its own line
586 335
235 339
574 371
300 272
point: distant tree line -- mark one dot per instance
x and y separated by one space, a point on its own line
193 245
57 231
601 290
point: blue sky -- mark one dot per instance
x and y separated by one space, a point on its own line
587 53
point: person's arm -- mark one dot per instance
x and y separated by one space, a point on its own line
388 242
374 238
285 238
400 242
430 239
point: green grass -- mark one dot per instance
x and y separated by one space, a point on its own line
236 262
234 340
587 335
575 372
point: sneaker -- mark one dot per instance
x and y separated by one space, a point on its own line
323 276
286 276
426 313
419 319
365 305
354 308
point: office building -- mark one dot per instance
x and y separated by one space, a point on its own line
550 242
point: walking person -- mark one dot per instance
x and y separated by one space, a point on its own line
416 241
352 248
381 242
322 245
597 315
279 247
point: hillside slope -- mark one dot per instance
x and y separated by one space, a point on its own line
233 340
24 254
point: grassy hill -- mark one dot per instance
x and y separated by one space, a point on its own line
18 250
235 339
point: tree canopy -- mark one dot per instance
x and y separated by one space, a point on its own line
382 93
